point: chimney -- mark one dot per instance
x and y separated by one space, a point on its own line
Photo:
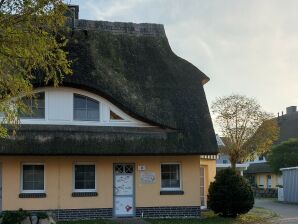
73 14
291 109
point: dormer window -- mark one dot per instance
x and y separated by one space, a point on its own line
36 107
115 117
85 108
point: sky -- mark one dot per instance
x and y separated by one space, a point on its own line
248 47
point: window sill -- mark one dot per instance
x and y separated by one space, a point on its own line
84 194
165 192
32 195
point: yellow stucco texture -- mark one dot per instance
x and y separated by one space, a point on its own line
59 182
262 179
210 172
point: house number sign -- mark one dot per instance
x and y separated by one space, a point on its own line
148 177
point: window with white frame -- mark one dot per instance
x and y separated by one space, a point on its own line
84 178
33 178
36 107
170 177
85 108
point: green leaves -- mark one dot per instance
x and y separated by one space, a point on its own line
284 155
31 40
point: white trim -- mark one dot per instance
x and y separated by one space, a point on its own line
74 179
180 176
204 196
289 168
22 176
104 116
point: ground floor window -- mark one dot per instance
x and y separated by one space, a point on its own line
84 177
170 177
32 178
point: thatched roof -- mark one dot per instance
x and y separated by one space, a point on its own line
133 66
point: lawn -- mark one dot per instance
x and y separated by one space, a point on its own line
255 216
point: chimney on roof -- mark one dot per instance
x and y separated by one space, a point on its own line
291 109
73 13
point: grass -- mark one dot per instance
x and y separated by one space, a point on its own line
255 216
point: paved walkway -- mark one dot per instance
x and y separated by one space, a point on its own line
288 213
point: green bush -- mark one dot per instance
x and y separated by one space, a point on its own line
14 217
230 194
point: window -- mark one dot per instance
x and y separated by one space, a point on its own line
170 176
115 117
269 181
36 107
85 108
84 178
33 178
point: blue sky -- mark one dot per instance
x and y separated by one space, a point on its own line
248 47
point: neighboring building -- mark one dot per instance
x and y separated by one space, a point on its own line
288 124
261 175
122 136
259 172
223 160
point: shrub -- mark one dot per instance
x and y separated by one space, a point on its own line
14 217
230 194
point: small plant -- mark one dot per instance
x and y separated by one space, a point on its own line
14 217
41 215
230 194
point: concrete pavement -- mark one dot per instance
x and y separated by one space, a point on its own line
288 213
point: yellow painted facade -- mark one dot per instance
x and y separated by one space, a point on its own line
262 179
210 172
59 182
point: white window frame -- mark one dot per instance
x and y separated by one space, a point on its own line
74 177
68 118
180 175
87 97
44 178
45 108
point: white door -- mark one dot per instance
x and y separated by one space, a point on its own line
202 188
124 205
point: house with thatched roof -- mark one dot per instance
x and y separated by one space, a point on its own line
122 137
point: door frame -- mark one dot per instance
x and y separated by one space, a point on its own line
134 191
205 196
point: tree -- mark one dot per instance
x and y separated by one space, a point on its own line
247 130
30 40
230 194
284 155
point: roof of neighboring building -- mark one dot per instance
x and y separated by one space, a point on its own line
258 168
132 66
288 124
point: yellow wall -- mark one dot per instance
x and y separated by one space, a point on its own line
59 179
210 172
274 178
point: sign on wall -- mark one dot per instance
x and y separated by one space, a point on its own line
124 185
148 177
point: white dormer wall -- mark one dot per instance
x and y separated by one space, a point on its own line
59 110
